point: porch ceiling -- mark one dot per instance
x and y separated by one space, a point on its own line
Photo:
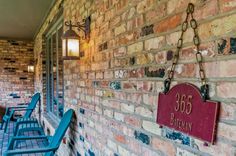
21 19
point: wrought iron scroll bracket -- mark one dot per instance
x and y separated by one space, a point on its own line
84 26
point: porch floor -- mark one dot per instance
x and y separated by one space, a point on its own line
29 144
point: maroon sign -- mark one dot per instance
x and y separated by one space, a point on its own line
183 109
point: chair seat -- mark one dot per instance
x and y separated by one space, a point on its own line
26 119
29 125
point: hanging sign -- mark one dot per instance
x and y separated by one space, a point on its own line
183 109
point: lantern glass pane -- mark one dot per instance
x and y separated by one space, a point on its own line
73 47
30 68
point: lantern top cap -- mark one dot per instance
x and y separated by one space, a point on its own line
70 34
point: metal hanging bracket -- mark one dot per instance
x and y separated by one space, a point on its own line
196 40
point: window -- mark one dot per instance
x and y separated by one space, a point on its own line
54 64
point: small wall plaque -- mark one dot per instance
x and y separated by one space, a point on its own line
183 109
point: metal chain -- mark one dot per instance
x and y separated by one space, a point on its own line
199 58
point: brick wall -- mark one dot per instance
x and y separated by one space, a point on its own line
15 80
114 87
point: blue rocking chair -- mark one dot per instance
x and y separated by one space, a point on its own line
28 111
53 142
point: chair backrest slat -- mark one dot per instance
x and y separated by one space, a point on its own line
32 105
60 131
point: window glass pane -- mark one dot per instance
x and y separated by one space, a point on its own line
49 74
54 71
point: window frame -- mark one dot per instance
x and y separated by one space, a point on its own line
50 78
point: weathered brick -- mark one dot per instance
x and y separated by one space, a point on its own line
127 108
112 145
119 116
227 5
154 43
144 59
144 6
186 70
226 90
227 131
135 23
219 148
174 6
123 151
136 47
119 52
224 68
183 152
132 120
217 27
164 146
143 112
151 127
161 57
142 137
120 29
227 111
149 99
108 113
154 15
207 9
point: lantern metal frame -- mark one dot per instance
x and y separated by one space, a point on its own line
71 34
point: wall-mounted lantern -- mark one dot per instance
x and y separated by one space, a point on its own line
31 67
71 40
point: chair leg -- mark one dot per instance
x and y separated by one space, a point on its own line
2 124
6 126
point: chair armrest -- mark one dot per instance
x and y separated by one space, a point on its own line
22 109
16 138
28 151
23 104
12 108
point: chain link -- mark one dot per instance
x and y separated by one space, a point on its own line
196 41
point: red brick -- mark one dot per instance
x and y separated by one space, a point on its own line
160 57
186 70
132 120
120 138
136 73
168 24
